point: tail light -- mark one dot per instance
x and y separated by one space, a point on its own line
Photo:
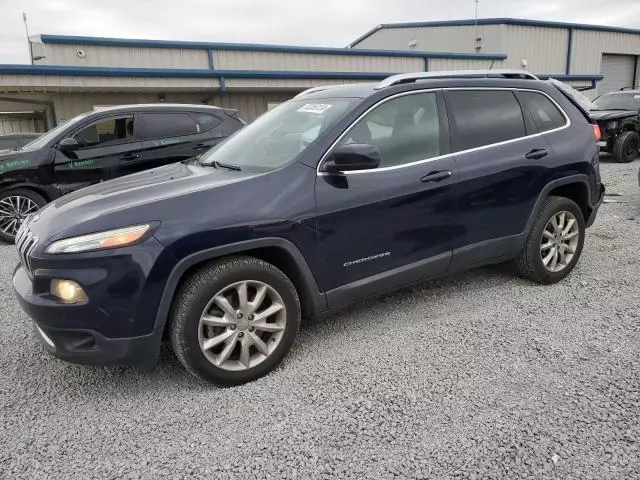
596 132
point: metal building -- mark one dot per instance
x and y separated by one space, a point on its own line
550 48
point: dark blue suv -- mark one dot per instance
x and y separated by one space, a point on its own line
336 195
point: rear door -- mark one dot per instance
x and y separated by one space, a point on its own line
170 137
103 145
503 159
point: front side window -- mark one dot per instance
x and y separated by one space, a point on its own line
280 135
105 132
43 140
546 115
405 129
162 125
484 117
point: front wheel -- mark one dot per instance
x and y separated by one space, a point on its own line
234 321
554 243
15 206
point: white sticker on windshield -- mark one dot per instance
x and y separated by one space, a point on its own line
315 107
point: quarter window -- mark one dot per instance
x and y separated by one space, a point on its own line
545 114
206 121
404 130
484 117
106 132
162 125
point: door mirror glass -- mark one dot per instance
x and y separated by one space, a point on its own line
68 145
355 156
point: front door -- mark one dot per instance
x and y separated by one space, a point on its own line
102 146
398 216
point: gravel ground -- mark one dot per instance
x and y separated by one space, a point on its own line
479 375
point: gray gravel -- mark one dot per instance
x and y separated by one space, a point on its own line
479 375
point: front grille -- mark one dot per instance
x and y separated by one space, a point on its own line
25 243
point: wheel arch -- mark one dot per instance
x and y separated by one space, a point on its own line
573 187
277 251
35 188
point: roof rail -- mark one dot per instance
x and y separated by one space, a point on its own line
412 77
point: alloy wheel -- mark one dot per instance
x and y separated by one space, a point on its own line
559 241
13 211
242 325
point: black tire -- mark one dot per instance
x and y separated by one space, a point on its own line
20 192
626 147
194 296
529 264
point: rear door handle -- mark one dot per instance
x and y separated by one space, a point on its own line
436 176
536 154
130 156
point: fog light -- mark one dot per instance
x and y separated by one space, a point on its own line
68 291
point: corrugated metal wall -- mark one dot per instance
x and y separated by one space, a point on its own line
545 49
436 64
249 105
589 45
122 56
20 124
437 39
241 60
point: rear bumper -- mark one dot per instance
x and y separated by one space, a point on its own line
594 208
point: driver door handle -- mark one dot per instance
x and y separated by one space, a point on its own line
130 156
537 154
436 176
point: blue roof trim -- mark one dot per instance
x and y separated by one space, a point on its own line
255 47
496 21
183 73
206 73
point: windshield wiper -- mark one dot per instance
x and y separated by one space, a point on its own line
234 168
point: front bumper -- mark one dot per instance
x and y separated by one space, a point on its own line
116 326
594 208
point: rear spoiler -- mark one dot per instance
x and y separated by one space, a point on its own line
233 113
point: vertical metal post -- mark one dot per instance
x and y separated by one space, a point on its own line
26 29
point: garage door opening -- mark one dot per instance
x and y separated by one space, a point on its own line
619 71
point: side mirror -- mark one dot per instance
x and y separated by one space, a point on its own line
68 145
356 156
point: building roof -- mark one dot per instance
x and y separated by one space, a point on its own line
495 21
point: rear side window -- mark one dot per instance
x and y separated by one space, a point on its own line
206 122
484 117
161 125
545 114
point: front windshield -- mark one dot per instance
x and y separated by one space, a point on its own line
618 101
280 135
584 103
51 134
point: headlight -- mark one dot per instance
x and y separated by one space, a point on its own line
121 237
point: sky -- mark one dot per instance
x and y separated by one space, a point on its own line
333 23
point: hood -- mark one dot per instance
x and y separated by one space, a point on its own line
599 115
126 194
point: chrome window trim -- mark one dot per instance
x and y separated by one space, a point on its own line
446 155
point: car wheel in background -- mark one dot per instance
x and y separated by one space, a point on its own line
234 321
554 243
15 206
626 147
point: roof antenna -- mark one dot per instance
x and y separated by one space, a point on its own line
478 37
26 29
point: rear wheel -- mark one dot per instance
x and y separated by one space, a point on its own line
554 243
626 147
15 206
234 321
